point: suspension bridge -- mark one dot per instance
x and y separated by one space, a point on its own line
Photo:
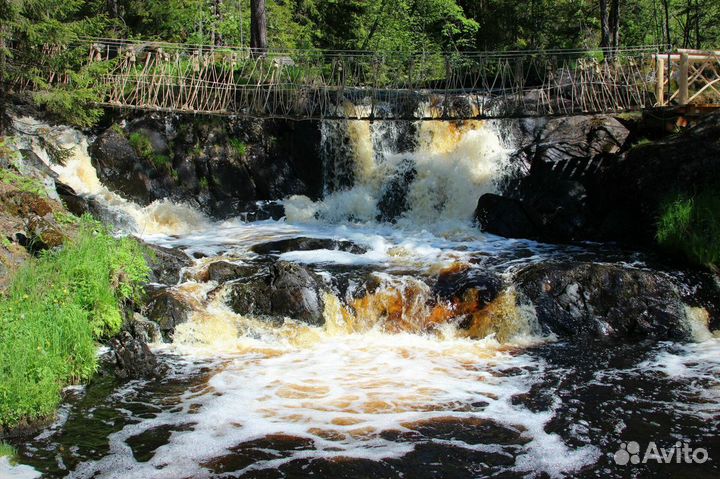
321 84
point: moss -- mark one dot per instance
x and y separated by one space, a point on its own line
23 183
689 226
53 311
118 129
204 186
642 142
239 147
142 145
6 450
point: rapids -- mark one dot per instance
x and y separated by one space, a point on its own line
384 388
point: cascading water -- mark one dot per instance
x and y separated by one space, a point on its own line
390 384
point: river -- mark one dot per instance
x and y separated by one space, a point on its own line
387 386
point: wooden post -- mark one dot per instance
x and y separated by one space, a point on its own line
660 92
683 95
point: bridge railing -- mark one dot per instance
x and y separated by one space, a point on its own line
373 85
688 77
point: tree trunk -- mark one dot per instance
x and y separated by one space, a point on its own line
610 27
666 5
112 8
258 27
604 26
217 39
615 26
3 93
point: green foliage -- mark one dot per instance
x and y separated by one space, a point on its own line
690 226
54 310
117 129
70 107
6 450
239 147
23 183
145 150
204 185
142 145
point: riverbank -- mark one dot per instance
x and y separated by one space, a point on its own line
64 284
403 323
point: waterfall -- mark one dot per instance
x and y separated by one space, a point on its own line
415 174
77 171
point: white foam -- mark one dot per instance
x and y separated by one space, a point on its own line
160 217
8 470
343 393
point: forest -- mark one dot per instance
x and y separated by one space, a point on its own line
404 25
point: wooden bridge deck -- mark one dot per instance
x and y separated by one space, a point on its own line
314 84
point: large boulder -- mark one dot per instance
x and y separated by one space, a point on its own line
589 300
168 309
283 290
571 146
131 358
222 165
455 283
557 163
394 199
636 188
121 169
166 264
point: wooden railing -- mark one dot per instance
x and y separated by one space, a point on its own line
688 77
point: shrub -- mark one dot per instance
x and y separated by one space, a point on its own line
142 146
54 310
6 450
690 226
238 146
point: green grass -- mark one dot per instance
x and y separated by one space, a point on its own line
690 226
238 146
162 162
6 450
144 149
142 145
204 184
54 310
23 183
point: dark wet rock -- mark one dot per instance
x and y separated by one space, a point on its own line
283 290
143 329
169 310
166 264
306 244
583 178
455 284
588 300
252 298
260 210
504 216
131 358
74 203
224 166
296 293
120 168
223 271
636 188
557 169
571 146
394 199
44 233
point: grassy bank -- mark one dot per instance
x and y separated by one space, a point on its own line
54 310
690 226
